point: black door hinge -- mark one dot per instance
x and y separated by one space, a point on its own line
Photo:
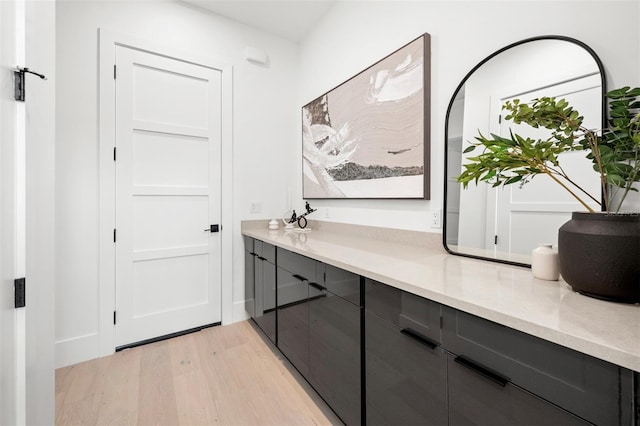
114 235
19 289
19 82
495 240
114 153
114 317
114 71
500 119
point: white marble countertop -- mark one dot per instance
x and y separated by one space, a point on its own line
509 295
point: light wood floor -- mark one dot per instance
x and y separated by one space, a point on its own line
219 376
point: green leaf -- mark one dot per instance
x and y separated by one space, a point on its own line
635 92
513 179
490 175
620 121
469 149
616 180
618 93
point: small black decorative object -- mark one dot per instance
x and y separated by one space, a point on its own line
302 221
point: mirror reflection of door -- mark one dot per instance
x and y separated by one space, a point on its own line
520 218
529 214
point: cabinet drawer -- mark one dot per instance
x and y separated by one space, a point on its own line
334 355
248 243
586 386
265 250
476 400
342 283
298 265
265 297
406 379
249 283
293 319
403 309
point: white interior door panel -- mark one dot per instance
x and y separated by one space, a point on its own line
168 132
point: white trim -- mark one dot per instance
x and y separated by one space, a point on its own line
40 222
239 313
20 219
193 191
76 349
108 40
189 132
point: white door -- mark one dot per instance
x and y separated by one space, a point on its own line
168 132
532 214
12 217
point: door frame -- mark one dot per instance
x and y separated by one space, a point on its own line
29 222
12 216
108 40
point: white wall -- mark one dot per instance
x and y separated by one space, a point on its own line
264 129
355 34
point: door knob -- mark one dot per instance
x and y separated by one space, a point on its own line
213 228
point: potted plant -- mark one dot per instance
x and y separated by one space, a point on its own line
599 252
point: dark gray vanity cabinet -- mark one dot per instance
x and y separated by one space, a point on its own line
334 342
295 273
498 375
424 363
478 396
427 363
249 277
406 369
260 285
293 318
319 329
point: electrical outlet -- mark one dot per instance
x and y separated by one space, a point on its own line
436 218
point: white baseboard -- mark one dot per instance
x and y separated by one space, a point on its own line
83 348
239 314
77 349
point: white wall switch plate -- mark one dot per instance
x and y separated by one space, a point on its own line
256 207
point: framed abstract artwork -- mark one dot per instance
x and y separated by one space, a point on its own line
368 138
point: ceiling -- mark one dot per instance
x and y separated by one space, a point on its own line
290 19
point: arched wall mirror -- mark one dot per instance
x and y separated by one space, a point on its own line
504 224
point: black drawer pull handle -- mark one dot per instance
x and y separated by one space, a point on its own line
483 371
317 286
261 258
419 337
253 254
299 277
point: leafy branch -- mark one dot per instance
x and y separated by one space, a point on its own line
614 151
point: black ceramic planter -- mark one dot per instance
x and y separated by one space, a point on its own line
600 255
